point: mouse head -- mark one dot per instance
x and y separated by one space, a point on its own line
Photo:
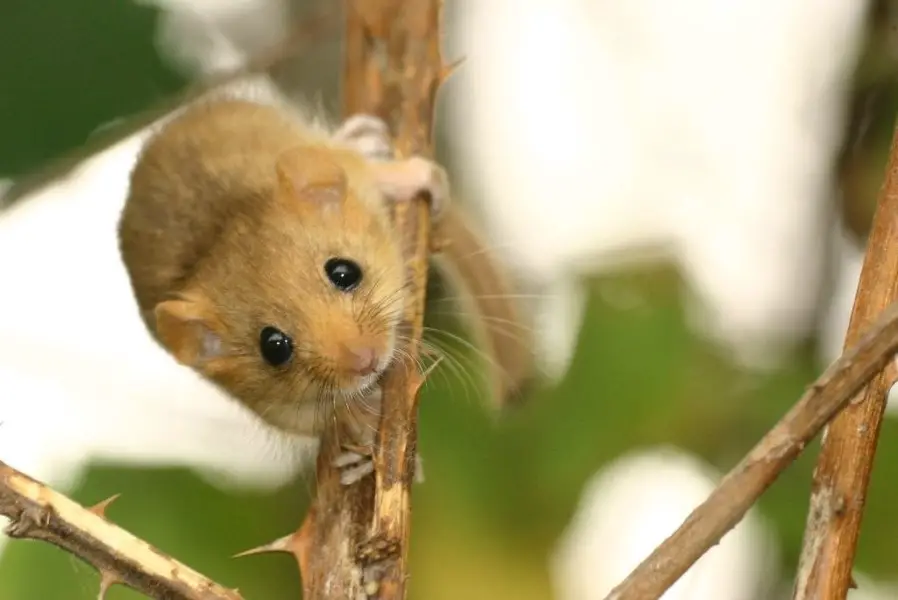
302 304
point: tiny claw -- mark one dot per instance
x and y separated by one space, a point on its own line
353 465
99 508
356 473
348 458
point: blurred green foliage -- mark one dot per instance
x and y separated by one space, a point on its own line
498 491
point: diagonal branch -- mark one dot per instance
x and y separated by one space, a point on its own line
39 513
355 539
742 486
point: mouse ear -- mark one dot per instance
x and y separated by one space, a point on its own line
307 173
184 328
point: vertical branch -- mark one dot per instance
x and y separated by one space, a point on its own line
843 469
354 542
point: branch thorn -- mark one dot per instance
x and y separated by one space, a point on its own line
107 580
99 508
451 68
293 543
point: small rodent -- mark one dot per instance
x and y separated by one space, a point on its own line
261 253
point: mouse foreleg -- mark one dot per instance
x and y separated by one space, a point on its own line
400 180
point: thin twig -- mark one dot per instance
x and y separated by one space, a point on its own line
357 537
40 513
742 486
849 444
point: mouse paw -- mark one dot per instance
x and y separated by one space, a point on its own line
353 466
366 134
403 180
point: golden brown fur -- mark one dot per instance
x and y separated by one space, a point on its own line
218 245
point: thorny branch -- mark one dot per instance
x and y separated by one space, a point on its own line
849 443
354 542
39 513
742 486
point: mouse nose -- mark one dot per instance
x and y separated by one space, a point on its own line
361 360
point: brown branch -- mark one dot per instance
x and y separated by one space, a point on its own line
839 490
40 513
742 486
354 542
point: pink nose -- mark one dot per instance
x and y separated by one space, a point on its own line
361 360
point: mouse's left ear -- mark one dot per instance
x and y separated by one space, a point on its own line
307 174
185 328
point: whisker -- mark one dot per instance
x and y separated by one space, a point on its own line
499 326
468 345
460 366
484 249
462 296
453 365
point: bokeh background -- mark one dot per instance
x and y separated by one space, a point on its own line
682 193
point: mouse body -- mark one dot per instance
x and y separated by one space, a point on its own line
260 251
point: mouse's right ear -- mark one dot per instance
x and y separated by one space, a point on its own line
185 328
307 175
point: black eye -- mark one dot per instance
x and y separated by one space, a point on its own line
275 345
343 273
